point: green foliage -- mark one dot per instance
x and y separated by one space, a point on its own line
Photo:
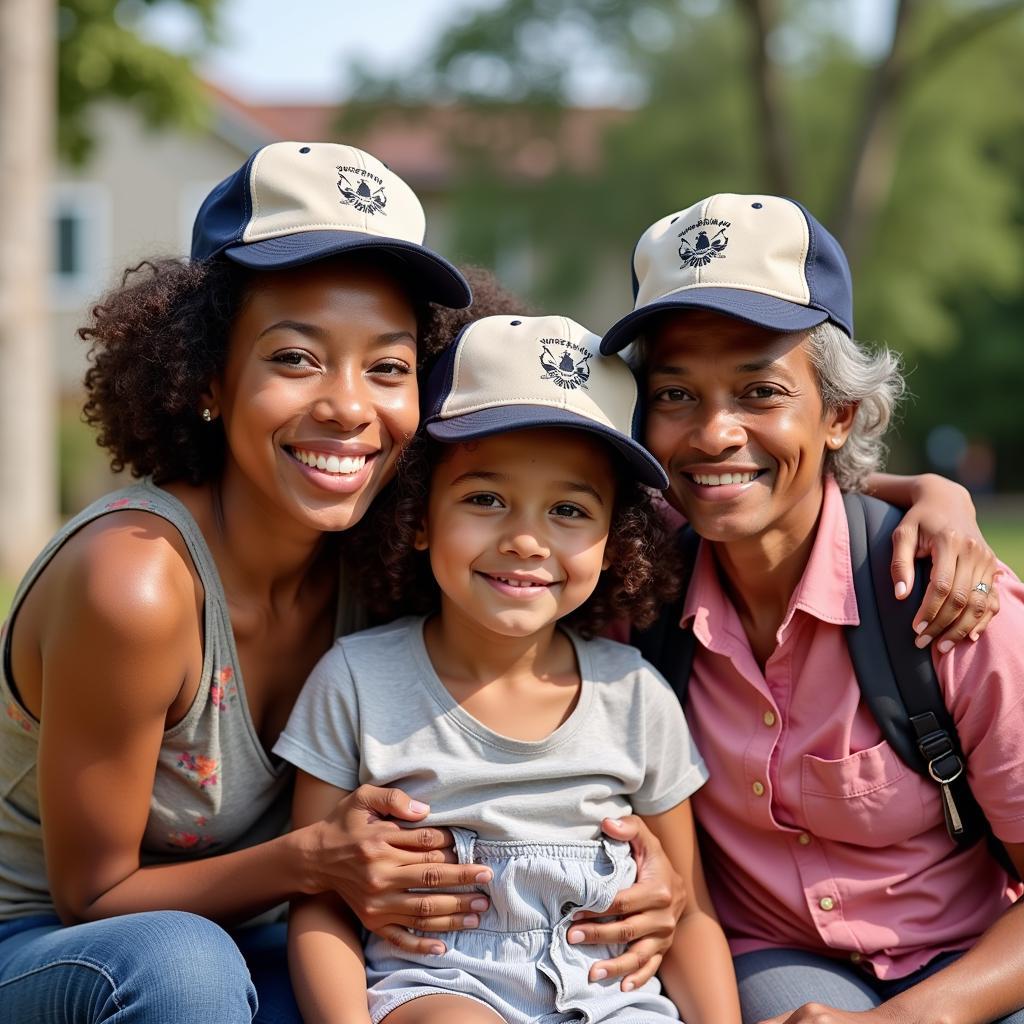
941 273
951 225
101 55
1007 539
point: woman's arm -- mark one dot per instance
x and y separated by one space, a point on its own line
985 984
940 523
325 956
114 652
697 970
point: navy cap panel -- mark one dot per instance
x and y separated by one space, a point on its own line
441 379
828 274
223 215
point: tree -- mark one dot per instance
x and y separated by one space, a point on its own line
912 156
102 55
28 492
757 94
98 55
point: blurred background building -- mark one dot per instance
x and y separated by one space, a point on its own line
543 137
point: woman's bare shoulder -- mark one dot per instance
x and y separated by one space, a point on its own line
119 600
131 569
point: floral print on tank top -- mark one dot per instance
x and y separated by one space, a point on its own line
224 692
183 839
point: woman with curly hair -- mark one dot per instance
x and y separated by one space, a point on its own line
520 728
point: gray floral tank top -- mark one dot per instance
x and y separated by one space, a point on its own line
216 788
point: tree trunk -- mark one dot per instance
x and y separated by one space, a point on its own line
772 116
873 159
875 150
28 394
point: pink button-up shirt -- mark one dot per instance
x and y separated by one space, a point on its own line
820 838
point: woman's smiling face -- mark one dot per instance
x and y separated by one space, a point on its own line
735 416
318 395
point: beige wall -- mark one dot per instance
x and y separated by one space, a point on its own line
142 188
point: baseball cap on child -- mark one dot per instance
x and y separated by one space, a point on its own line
507 373
294 202
763 259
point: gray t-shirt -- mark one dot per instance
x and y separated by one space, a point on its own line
374 711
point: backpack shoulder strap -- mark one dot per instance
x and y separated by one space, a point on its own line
667 647
897 679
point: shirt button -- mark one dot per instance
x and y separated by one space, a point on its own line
804 839
768 718
827 903
758 788
856 957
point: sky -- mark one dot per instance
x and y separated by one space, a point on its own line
298 49
290 50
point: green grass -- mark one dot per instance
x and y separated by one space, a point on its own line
1007 538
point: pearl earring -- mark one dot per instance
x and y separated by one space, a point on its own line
207 416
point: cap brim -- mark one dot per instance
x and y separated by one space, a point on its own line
754 307
435 278
505 418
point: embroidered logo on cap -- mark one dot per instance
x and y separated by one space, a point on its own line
565 370
702 242
366 195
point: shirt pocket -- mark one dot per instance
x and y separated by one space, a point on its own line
870 798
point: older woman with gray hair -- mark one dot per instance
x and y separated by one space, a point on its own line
828 858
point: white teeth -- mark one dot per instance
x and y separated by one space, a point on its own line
338 465
519 583
718 479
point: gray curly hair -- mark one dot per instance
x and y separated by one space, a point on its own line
849 373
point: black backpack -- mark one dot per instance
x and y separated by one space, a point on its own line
897 679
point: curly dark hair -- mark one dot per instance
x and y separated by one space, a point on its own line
642 576
159 339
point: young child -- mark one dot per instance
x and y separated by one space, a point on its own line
519 733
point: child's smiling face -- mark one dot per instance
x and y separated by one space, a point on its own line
516 527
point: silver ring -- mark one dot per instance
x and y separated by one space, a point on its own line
982 588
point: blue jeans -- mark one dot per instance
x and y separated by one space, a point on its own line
153 968
776 981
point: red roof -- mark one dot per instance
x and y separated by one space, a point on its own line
418 143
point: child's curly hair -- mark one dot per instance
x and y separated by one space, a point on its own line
642 576
159 339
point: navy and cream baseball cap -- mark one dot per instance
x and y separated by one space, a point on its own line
507 373
763 259
295 202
